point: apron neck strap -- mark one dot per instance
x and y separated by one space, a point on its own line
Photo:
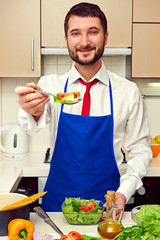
65 90
111 99
65 87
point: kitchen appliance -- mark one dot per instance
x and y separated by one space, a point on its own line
15 140
8 215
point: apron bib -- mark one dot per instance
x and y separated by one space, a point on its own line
83 162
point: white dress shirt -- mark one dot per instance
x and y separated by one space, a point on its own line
130 118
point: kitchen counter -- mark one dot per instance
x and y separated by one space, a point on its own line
65 227
13 169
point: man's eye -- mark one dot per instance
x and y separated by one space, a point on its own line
74 34
93 32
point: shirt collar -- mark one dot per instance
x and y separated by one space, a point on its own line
101 75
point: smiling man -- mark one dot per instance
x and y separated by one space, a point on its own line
85 43
86 138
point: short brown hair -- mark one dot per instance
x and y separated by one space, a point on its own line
84 9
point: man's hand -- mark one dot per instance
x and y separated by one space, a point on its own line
120 200
30 101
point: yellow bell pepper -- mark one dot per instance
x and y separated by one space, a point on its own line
19 229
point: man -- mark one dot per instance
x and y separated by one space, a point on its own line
87 147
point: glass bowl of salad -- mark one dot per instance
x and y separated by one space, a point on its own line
149 213
79 211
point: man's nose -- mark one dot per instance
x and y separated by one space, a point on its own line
85 41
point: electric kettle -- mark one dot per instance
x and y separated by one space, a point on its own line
15 140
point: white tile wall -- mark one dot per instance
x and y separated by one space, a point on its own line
152 104
61 64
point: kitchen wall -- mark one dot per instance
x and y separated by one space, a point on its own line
0 100
61 64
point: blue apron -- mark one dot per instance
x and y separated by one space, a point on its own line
83 162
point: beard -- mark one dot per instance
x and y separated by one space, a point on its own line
97 55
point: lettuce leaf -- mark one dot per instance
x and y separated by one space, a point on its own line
86 237
149 213
140 232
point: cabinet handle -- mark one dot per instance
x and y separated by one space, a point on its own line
150 96
32 54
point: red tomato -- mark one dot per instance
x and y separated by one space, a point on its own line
75 235
65 237
61 95
84 208
77 94
87 207
91 204
72 236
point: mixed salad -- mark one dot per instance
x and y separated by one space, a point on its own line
82 211
67 97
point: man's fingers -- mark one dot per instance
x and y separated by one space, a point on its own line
33 96
29 88
33 85
35 107
21 90
29 101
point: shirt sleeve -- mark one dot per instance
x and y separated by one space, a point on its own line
137 143
28 122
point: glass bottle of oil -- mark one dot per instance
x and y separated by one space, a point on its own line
111 226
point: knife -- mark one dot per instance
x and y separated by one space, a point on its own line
47 219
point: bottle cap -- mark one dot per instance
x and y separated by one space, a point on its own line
110 196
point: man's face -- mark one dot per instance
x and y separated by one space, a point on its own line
85 39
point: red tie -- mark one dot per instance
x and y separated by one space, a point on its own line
86 98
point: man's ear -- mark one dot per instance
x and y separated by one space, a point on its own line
65 37
106 38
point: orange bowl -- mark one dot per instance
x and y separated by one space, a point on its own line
155 149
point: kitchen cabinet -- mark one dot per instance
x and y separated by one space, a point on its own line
146 11
146 38
118 12
20 38
146 51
